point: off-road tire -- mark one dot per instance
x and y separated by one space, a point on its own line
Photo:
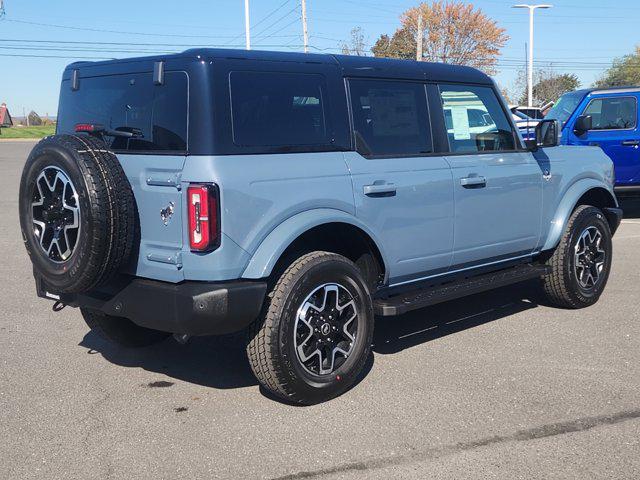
108 216
270 338
121 331
561 284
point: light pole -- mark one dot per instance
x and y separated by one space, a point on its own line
530 62
247 33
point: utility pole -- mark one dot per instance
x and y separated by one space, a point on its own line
419 40
247 23
305 32
530 61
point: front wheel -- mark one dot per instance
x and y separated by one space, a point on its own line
314 335
581 263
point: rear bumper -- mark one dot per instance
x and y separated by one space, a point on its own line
193 308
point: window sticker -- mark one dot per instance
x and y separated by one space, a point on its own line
460 120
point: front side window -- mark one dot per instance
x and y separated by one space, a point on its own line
475 120
278 109
390 118
613 113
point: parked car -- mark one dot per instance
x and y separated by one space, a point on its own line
526 125
537 113
606 118
295 196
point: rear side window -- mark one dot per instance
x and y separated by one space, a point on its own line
271 109
390 118
613 113
156 114
475 120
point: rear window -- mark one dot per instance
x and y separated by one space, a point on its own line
271 109
157 114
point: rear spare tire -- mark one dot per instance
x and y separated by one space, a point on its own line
77 213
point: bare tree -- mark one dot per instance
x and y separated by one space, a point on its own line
356 44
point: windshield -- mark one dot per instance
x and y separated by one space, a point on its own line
565 106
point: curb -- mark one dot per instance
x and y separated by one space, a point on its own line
14 140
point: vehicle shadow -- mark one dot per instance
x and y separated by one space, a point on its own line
393 334
630 206
221 363
217 362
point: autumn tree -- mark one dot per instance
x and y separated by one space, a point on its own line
624 71
548 86
452 32
356 44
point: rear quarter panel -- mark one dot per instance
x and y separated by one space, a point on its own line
259 193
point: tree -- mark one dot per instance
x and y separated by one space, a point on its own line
356 45
452 32
548 86
624 71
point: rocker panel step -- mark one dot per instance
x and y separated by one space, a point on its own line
397 304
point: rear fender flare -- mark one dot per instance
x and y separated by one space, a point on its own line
271 248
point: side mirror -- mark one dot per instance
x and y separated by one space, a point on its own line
547 134
583 124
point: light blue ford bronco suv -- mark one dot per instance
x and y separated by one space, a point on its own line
295 197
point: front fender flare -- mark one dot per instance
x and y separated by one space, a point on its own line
271 248
566 207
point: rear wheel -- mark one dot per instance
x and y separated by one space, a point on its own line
581 263
121 331
314 335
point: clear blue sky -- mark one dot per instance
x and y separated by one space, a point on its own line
576 36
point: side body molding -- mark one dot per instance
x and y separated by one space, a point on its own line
566 206
269 251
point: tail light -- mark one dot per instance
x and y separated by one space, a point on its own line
204 225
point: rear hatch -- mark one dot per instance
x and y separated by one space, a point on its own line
152 159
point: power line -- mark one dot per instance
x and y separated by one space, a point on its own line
269 15
120 32
277 21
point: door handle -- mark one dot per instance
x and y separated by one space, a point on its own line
473 182
380 190
631 143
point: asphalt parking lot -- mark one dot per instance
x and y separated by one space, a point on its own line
494 386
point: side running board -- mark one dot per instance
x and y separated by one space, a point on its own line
402 302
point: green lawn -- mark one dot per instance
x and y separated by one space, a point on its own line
27 132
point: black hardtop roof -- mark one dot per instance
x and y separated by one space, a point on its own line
351 65
623 88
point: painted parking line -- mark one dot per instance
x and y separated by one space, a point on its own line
632 222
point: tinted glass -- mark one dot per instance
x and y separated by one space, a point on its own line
613 113
565 106
278 109
475 120
157 115
390 118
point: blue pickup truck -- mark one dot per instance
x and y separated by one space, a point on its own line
607 118
294 197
